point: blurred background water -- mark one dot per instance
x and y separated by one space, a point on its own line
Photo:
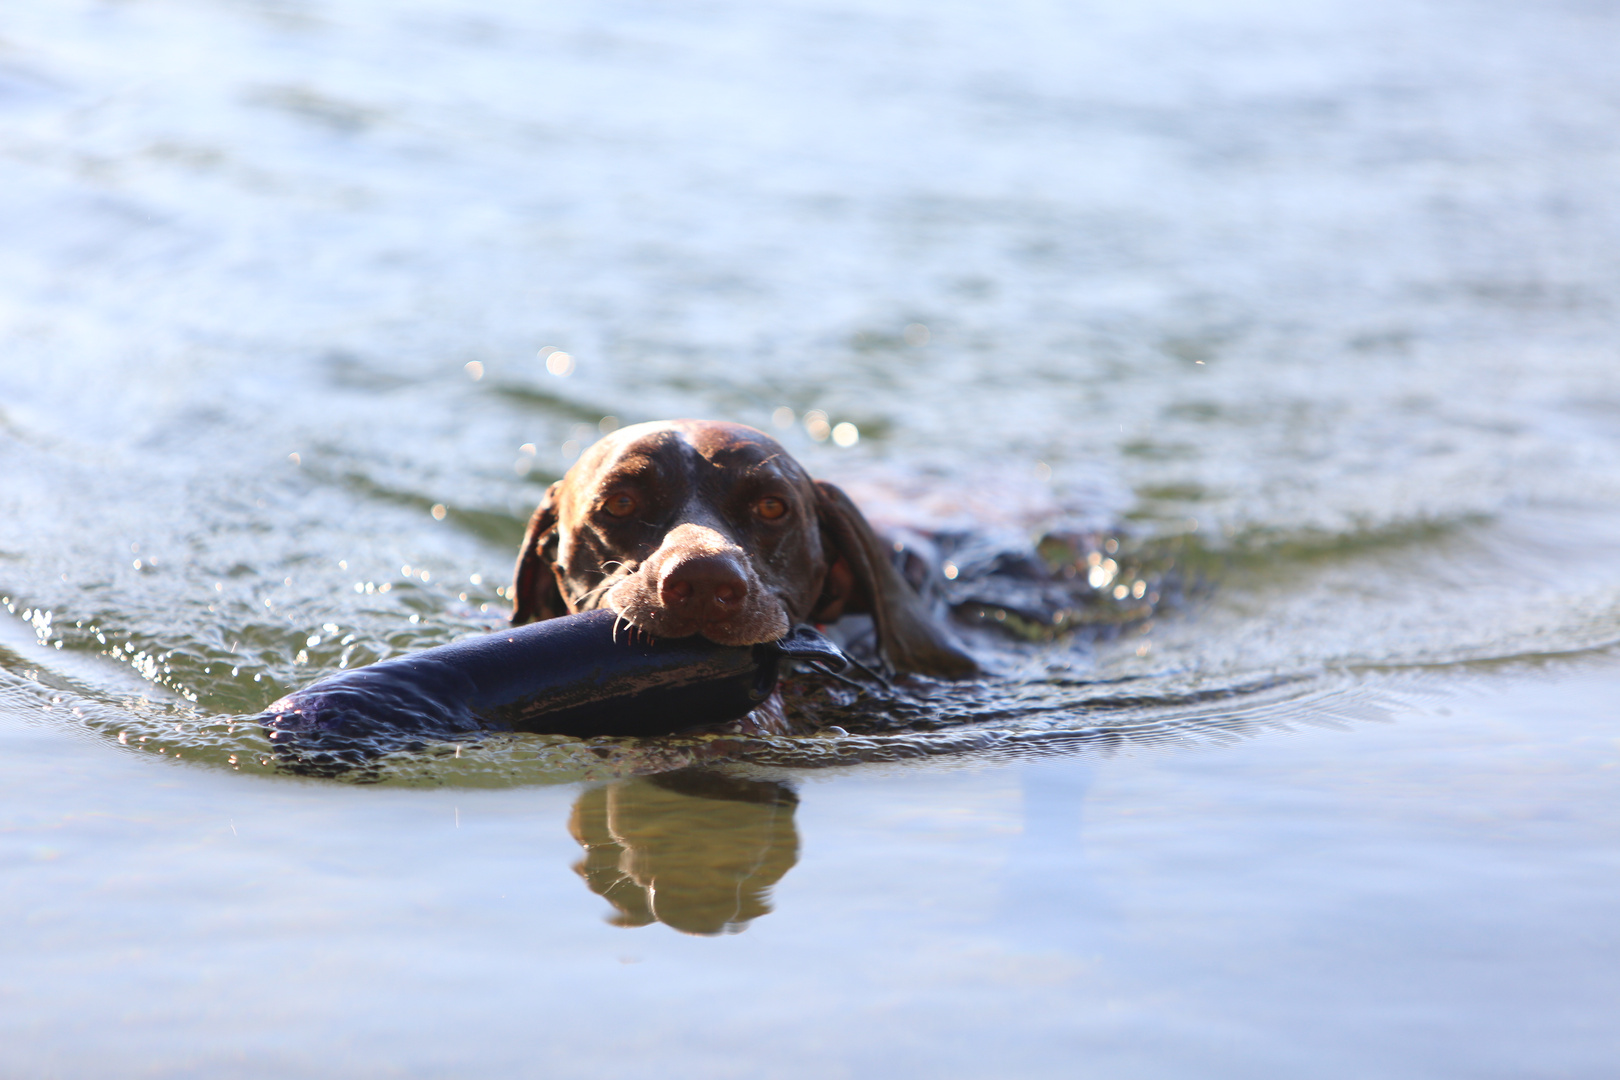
1322 295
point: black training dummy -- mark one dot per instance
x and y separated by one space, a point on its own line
583 675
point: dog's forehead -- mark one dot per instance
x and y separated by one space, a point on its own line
635 449
699 442
733 444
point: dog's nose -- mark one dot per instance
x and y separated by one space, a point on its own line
708 587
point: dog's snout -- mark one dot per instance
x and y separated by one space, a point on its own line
700 581
709 587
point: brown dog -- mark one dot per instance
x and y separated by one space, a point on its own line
694 527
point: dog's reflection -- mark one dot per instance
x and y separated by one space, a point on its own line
692 849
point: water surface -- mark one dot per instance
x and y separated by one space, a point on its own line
1315 300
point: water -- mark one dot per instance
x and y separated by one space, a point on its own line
1318 298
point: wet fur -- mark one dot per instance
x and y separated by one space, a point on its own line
695 482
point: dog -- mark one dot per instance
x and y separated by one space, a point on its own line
699 527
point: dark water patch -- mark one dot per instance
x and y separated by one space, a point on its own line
498 528
313 106
1260 547
544 401
1551 661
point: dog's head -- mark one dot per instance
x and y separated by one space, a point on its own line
694 527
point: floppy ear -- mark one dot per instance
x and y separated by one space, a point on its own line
907 634
535 595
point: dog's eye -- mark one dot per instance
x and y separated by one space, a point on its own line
770 508
620 505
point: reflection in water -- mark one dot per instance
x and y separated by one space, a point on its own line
696 850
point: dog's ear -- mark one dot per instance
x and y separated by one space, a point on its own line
868 583
535 595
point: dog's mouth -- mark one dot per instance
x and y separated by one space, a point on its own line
749 623
727 608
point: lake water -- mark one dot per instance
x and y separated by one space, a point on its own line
1317 299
